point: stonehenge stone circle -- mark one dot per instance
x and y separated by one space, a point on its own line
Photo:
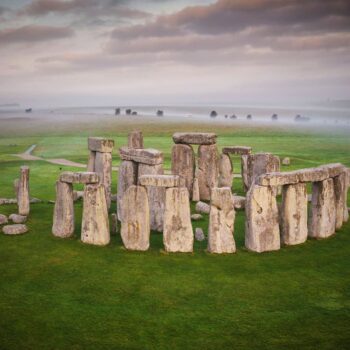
323 212
23 201
95 223
63 218
178 232
135 139
221 222
262 226
293 215
135 223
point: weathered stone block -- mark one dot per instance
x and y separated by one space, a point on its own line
323 213
225 171
103 167
178 233
293 214
79 177
3 219
100 144
23 200
195 190
135 223
262 227
237 150
341 196
95 223
202 207
195 138
221 222
312 174
91 161
148 156
278 179
160 180
135 139
183 164
199 234
18 219
17 229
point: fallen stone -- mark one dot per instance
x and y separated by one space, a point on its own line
262 227
148 156
23 201
221 222
135 139
63 218
208 170
199 234
160 180
135 223
178 233
237 150
3 219
278 179
100 144
286 161
4 201
183 164
202 207
341 198
18 219
35 200
312 174
196 217
127 176
293 214
195 138
103 167
17 229
79 177
245 172
239 202
95 223
225 171
156 196
334 169
323 213
195 190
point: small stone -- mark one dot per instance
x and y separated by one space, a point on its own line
202 207
100 144
148 156
239 202
237 150
160 180
196 217
18 219
135 139
286 161
199 234
15 229
194 138
3 219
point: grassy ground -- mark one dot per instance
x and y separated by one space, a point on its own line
61 294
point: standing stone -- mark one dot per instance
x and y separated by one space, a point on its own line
208 170
63 218
156 196
178 232
195 191
225 171
221 221
23 192
323 213
135 139
183 164
103 167
262 229
293 214
114 223
261 163
95 223
127 177
135 223
347 185
245 172
341 196
91 161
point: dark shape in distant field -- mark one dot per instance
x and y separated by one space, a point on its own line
160 113
213 114
134 113
117 111
249 116
299 118
233 116
128 111
274 116
29 110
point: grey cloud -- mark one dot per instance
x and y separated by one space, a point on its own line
33 34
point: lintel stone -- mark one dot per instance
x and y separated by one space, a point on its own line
195 138
160 180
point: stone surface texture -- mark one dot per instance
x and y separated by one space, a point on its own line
100 144
148 156
237 150
16 229
23 201
194 138
103 167
91 161
341 197
195 190
202 207
135 139
225 171
160 180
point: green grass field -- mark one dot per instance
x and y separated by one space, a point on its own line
62 294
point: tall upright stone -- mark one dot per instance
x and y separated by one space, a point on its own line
103 167
135 139
183 164
63 218
341 197
23 200
221 221
127 176
91 161
135 223
262 227
225 171
293 214
195 191
245 172
323 211
95 222
208 169
156 195
178 232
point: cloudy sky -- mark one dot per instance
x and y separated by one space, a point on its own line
118 52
